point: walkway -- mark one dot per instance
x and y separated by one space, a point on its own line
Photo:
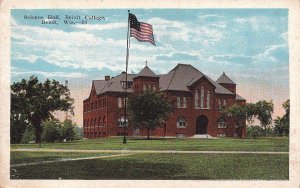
147 151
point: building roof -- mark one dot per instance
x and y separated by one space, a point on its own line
113 85
239 98
178 79
146 72
184 75
224 79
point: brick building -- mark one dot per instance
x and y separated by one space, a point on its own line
196 98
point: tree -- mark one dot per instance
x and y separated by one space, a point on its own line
51 130
264 110
254 131
241 114
67 130
17 129
148 110
282 124
33 102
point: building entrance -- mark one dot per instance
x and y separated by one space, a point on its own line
201 125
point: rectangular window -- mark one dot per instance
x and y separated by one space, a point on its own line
154 88
208 99
196 98
178 102
220 105
202 97
224 102
184 102
120 102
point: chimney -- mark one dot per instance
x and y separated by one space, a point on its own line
106 78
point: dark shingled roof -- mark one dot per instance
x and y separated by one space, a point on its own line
178 79
224 79
184 75
239 98
146 72
112 85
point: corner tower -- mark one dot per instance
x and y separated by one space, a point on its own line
145 79
226 82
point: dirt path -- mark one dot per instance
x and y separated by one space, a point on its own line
71 159
147 151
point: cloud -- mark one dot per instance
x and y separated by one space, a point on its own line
274 53
177 57
50 74
100 27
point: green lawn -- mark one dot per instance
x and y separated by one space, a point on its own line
158 166
223 144
31 157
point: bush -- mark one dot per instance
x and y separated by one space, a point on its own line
254 131
67 130
51 130
28 136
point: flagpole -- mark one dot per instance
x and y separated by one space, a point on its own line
126 83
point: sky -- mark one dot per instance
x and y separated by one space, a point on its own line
249 45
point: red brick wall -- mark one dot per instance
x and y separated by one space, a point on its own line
112 112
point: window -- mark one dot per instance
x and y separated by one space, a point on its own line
224 103
196 98
180 135
92 106
221 135
95 122
154 88
149 87
121 121
222 123
220 105
87 123
184 102
208 99
202 97
181 122
144 87
178 102
104 121
120 102
99 121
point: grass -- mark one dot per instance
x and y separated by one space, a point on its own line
31 157
160 166
223 144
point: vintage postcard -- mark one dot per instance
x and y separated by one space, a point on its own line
117 93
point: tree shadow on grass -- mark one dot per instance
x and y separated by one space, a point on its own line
116 169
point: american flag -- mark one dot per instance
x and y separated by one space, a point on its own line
143 32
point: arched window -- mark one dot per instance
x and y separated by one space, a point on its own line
222 123
178 102
202 97
196 98
181 122
208 99
121 121
184 102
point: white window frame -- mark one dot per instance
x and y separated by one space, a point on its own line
202 97
196 98
178 102
222 123
184 102
181 122
208 100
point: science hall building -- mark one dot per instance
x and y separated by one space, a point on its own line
197 102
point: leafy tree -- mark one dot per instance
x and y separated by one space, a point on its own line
28 136
264 110
17 128
67 130
148 110
241 114
254 131
282 124
33 102
51 130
